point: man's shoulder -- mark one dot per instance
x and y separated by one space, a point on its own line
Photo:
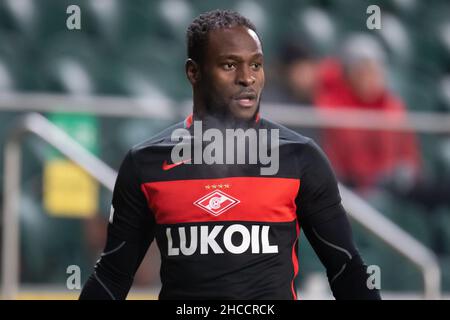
308 151
161 139
286 135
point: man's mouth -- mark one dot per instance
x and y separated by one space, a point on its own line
246 100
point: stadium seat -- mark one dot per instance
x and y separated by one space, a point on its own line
375 252
202 6
74 63
22 16
350 16
176 15
444 91
143 19
16 65
107 21
39 250
6 80
417 96
319 28
444 41
441 227
396 37
156 64
445 268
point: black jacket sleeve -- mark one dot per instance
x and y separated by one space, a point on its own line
326 226
130 233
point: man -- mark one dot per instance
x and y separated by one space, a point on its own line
225 231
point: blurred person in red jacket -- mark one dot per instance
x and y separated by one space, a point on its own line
365 158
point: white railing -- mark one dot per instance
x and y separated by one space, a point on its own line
396 238
287 114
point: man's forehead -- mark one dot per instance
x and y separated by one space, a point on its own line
234 39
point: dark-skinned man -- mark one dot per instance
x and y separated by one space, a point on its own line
226 228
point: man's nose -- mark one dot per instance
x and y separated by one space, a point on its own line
245 77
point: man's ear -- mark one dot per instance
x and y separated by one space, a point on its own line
192 71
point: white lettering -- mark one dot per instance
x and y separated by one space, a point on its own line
255 238
229 243
238 145
185 250
266 247
208 240
374 20
73 21
171 251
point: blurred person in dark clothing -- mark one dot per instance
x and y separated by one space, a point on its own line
297 75
295 79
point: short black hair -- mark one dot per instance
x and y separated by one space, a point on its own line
197 32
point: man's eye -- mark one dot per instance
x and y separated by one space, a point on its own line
256 66
229 66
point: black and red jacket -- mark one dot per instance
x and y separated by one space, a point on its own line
225 231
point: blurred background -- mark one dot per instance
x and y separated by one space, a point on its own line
376 100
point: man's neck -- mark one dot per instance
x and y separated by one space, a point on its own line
225 122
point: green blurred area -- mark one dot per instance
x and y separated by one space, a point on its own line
138 47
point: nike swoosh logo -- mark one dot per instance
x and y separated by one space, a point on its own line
167 166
